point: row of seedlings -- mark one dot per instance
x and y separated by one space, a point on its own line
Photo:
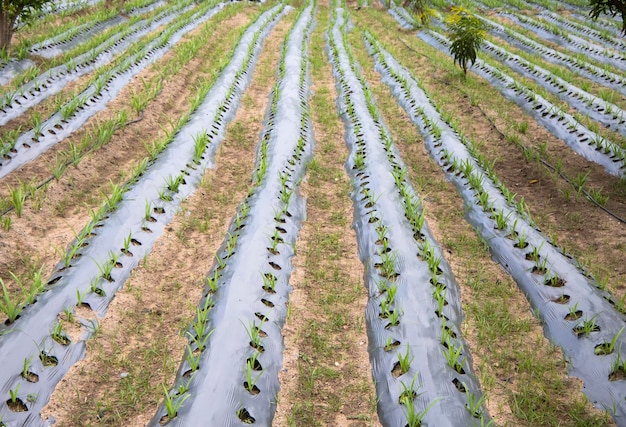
600 36
569 41
119 235
564 126
104 87
576 64
402 16
606 113
15 102
235 343
421 365
577 314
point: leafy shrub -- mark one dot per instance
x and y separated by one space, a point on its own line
466 34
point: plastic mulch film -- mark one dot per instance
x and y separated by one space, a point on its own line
420 363
577 315
582 140
235 349
109 248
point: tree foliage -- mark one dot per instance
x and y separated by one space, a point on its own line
609 7
16 12
466 33
418 9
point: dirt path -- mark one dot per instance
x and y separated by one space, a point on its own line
326 379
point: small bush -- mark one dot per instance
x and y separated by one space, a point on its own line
466 34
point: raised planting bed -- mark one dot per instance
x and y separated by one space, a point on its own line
118 237
421 365
584 321
235 344
581 139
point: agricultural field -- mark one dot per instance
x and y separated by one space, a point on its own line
305 214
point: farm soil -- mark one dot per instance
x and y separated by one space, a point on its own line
327 379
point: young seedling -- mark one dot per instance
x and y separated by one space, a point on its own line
474 404
404 361
413 417
587 326
192 359
172 404
269 282
13 394
453 356
10 307
58 335
255 333
409 394
250 382
608 348
18 197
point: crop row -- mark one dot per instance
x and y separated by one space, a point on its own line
420 363
564 126
119 235
604 37
104 87
580 317
235 345
36 90
606 113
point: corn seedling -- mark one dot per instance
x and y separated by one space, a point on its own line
171 404
201 141
474 404
618 368
147 215
26 367
192 359
6 223
453 356
414 418
394 318
212 282
251 380
608 348
388 264
269 282
58 335
11 308
587 326
173 183
409 394
18 197
405 360
254 332
69 315
501 219
13 393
